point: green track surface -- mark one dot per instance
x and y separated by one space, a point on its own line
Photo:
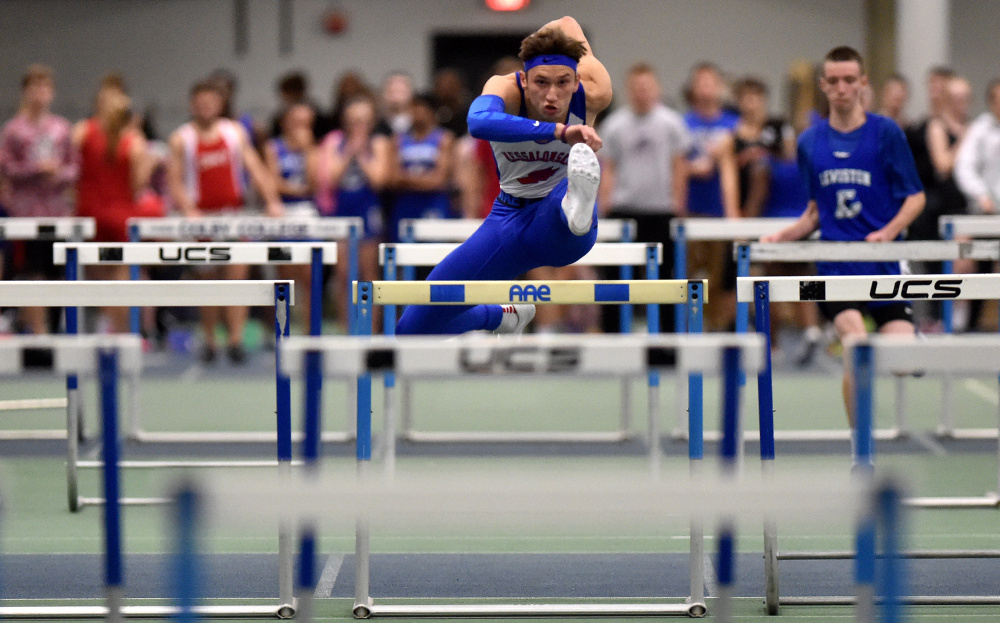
36 518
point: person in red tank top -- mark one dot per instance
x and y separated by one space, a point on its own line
208 156
115 166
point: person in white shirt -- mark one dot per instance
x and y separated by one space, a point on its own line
977 165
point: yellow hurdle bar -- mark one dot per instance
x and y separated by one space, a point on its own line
624 292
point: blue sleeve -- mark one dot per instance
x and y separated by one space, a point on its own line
897 158
488 121
804 157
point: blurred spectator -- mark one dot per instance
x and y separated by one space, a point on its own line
452 101
207 158
759 142
644 172
353 165
291 160
394 103
38 161
977 173
713 187
423 167
115 168
293 88
349 85
892 100
476 169
916 133
227 84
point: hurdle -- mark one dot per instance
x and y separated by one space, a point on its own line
73 294
459 230
105 358
966 226
248 228
589 356
940 355
824 251
315 254
648 292
684 230
624 254
43 228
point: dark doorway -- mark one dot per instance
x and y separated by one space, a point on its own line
473 54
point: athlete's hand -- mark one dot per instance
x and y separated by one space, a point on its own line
880 235
774 237
579 133
986 204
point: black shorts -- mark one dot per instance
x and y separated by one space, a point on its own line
881 314
32 259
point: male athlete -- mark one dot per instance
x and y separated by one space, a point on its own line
863 185
545 214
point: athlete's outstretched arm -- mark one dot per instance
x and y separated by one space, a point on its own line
802 228
910 210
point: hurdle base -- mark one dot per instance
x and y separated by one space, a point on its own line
882 434
184 464
990 500
517 437
912 554
81 502
100 612
966 433
919 600
144 436
604 609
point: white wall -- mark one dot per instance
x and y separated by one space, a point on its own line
975 53
163 45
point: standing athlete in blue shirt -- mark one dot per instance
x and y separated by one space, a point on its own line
862 185
539 122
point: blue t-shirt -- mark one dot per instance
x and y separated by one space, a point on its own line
417 157
705 195
292 165
859 181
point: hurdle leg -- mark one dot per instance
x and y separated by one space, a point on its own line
680 272
765 411
864 562
362 550
312 437
286 562
888 502
653 377
186 560
696 444
900 431
389 272
730 454
74 410
946 428
113 575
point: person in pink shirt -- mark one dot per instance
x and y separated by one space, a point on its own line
38 160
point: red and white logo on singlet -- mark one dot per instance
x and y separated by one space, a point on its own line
218 185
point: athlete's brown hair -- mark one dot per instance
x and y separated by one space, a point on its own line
551 41
843 54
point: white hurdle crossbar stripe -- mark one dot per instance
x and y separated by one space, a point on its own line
596 355
47 228
187 253
729 229
69 354
458 230
874 288
971 225
663 291
245 227
195 293
602 253
921 251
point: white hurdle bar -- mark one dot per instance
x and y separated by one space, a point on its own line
624 254
249 228
315 254
72 294
474 355
825 251
105 358
42 228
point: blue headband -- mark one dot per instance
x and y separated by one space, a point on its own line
549 59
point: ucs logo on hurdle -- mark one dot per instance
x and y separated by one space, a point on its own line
530 293
917 289
197 254
519 360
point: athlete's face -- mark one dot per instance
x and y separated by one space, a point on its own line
39 93
843 83
549 89
206 106
643 92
